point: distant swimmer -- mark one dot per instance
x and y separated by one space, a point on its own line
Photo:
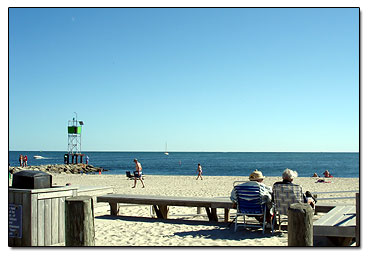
315 175
138 173
199 171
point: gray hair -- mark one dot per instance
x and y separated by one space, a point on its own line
289 174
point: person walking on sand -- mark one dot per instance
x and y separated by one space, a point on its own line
199 171
138 173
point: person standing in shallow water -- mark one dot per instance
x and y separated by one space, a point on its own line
137 173
199 171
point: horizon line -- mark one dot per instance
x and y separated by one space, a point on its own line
139 151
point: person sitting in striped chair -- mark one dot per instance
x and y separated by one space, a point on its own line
265 192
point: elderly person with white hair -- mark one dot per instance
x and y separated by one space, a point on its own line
288 176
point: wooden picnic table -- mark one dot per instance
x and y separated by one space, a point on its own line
338 224
161 203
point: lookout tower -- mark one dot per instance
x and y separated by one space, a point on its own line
74 141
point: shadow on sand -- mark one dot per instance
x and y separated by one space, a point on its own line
219 230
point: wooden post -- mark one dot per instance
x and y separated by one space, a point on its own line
80 221
358 216
300 225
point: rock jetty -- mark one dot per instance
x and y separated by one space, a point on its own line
60 169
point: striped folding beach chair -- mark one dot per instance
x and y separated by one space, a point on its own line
249 203
284 195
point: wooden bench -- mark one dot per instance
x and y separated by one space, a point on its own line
161 203
339 225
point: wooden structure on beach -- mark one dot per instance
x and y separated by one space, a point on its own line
37 216
340 226
161 203
42 215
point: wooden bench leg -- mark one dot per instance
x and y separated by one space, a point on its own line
212 215
226 215
114 209
164 211
161 211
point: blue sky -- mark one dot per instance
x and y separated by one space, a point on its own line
199 79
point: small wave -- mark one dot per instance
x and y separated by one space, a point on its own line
40 157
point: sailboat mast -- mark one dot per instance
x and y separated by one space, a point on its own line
166 153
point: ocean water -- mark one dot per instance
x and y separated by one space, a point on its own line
213 163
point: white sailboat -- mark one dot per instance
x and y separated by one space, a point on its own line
166 153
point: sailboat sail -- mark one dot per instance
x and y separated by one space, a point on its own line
166 153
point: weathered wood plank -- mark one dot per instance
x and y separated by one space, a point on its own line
18 198
40 222
94 191
54 220
34 216
167 200
44 190
47 222
339 216
210 204
339 222
61 226
336 192
332 217
333 231
26 220
55 194
10 201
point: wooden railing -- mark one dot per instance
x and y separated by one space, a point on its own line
335 192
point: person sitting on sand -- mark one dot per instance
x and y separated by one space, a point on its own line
265 192
288 176
137 173
199 170
315 175
327 174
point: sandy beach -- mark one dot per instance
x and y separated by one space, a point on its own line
135 227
